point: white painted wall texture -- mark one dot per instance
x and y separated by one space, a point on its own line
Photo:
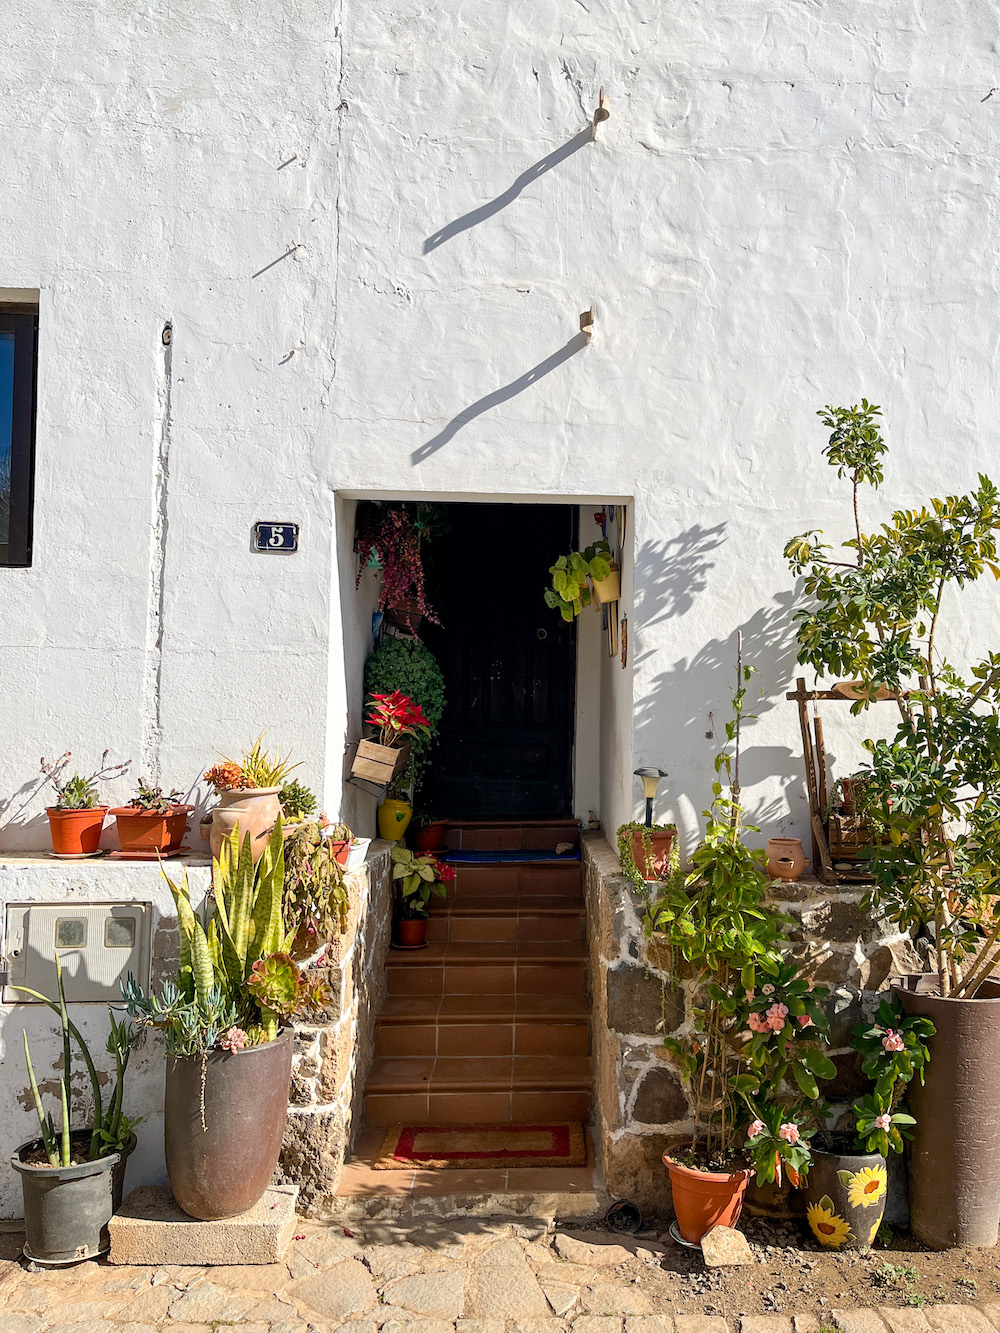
792 203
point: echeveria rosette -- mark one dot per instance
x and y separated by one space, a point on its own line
777 1142
280 987
893 1049
881 1129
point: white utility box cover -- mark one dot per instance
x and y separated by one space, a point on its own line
99 944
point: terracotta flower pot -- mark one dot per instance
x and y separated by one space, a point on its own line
955 1153
254 809
705 1199
846 1195
430 837
76 832
149 830
411 933
341 851
609 589
785 858
657 864
394 819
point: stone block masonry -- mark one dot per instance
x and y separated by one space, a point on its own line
640 1105
334 1054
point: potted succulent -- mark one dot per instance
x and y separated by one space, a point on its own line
570 591
225 1020
357 853
847 1185
932 796
416 878
339 837
297 803
76 819
395 718
71 1180
152 822
249 796
315 899
647 852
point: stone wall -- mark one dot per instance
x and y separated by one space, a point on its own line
333 1054
639 1101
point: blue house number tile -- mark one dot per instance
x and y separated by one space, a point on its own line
280 537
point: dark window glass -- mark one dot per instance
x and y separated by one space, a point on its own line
18 342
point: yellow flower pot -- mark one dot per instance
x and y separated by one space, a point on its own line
394 819
609 589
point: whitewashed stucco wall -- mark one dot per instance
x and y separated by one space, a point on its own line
791 204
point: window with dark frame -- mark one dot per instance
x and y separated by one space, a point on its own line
18 359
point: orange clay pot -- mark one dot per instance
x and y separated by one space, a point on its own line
150 830
76 832
705 1199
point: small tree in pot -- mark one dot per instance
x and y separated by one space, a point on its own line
875 612
228 1046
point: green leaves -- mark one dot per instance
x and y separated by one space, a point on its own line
570 591
855 447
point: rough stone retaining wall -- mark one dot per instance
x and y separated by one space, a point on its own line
639 1103
334 1052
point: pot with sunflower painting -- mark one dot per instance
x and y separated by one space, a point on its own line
845 1194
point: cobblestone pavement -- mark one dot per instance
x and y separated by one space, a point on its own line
475 1277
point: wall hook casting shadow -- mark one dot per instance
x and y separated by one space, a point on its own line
510 194
498 396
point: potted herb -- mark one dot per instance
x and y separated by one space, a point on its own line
570 591
647 852
226 1025
416 879
249 796
152 822
315 899
76 819
848 1183
395 718
874 611
71 1180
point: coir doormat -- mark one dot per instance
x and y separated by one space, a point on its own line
458 1147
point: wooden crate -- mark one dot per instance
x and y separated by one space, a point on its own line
379 764
848 834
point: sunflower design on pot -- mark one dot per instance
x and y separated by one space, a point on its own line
865 1188
830 1229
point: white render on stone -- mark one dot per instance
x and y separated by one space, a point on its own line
362 222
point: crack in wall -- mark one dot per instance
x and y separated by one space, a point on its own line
152 676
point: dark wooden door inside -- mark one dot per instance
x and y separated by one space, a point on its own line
506 746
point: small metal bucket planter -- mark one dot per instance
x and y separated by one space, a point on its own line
845 1195
67 1208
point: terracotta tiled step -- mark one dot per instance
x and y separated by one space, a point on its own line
494 1008
474 1107
511 834
544 976
445 953
526 1073
508 904
566 927
432 1038
544 877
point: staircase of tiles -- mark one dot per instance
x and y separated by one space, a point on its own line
491 1022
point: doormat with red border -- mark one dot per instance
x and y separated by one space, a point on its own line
461 1147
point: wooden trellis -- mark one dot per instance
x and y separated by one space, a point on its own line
814 750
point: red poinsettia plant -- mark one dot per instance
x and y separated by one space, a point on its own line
396 717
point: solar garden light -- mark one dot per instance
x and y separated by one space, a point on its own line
650 781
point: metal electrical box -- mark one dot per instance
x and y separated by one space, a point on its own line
99 944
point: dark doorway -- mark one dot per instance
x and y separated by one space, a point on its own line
506 746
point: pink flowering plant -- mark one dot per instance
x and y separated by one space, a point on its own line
893 1050
778 1140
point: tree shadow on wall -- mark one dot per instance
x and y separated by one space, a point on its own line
502 395
494 206
670 574
687 706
